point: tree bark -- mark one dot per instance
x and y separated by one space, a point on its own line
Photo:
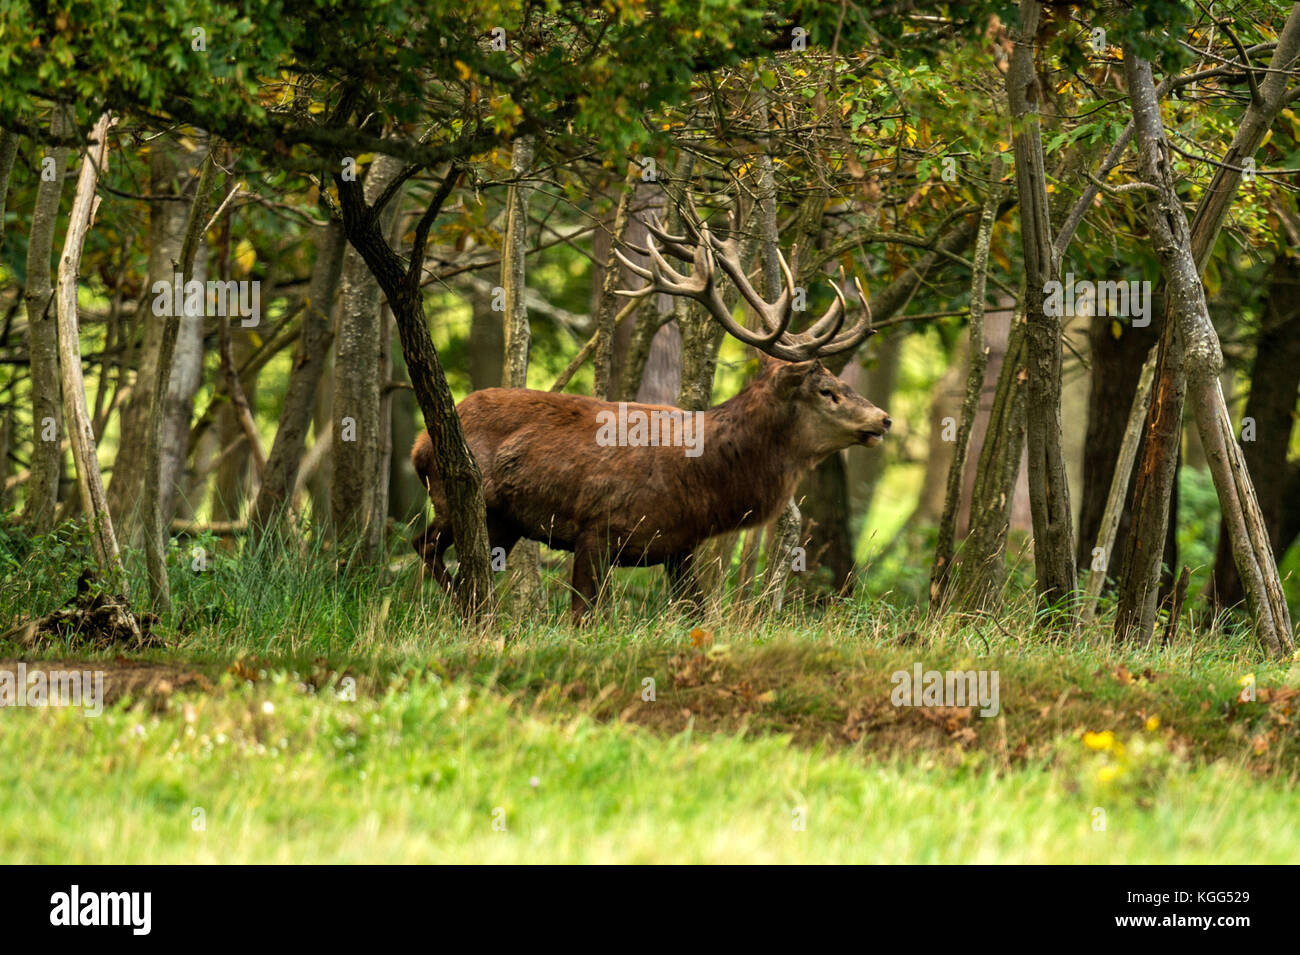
152 503
94 502
1269 414
357 383
281 473
42 492
8 153
524 565
1049 492
941 570
1176 247
461 479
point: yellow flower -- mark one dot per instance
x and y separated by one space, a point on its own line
1108 774
1153 723
1247 680
1099 741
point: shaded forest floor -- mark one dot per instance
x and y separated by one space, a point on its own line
295 715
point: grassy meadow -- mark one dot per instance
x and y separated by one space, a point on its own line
294 713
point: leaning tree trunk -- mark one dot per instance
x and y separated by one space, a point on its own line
1269 418
91 484
1173 241
42 495
461 478
1154 486
1049 493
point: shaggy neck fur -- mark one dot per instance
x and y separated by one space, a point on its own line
750 465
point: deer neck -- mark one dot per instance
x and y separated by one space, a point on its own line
750 459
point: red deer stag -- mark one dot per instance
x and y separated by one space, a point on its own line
630 484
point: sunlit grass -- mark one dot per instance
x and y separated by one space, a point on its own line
769 738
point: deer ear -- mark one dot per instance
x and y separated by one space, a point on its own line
790 376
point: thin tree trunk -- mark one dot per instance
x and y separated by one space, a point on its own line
941 571
155 528
1049 492
42 492
1175 246
983 567
524 565
1269 418
461 479
281 473
1099 557
166 235
93 501
8 153
356 382
602 363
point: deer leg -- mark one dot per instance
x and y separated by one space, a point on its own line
431 543
683 584
587 578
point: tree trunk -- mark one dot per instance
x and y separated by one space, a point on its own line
154 517
1174 245
1049 492
166 234
84 453
605 386
1098 559
524 565
42 492
281 472
1154 490
1268 419
8 153
983 568
357 384
945 548
461 479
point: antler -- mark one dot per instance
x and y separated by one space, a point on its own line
706 251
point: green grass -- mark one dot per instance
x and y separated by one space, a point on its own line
769 739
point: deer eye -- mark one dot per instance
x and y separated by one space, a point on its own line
827 393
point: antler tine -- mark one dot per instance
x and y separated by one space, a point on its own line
640 270
775 316
821 332
679 246
856 335
661 276
706 251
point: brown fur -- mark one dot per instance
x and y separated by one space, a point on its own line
546 478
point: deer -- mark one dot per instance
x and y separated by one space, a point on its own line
563 469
